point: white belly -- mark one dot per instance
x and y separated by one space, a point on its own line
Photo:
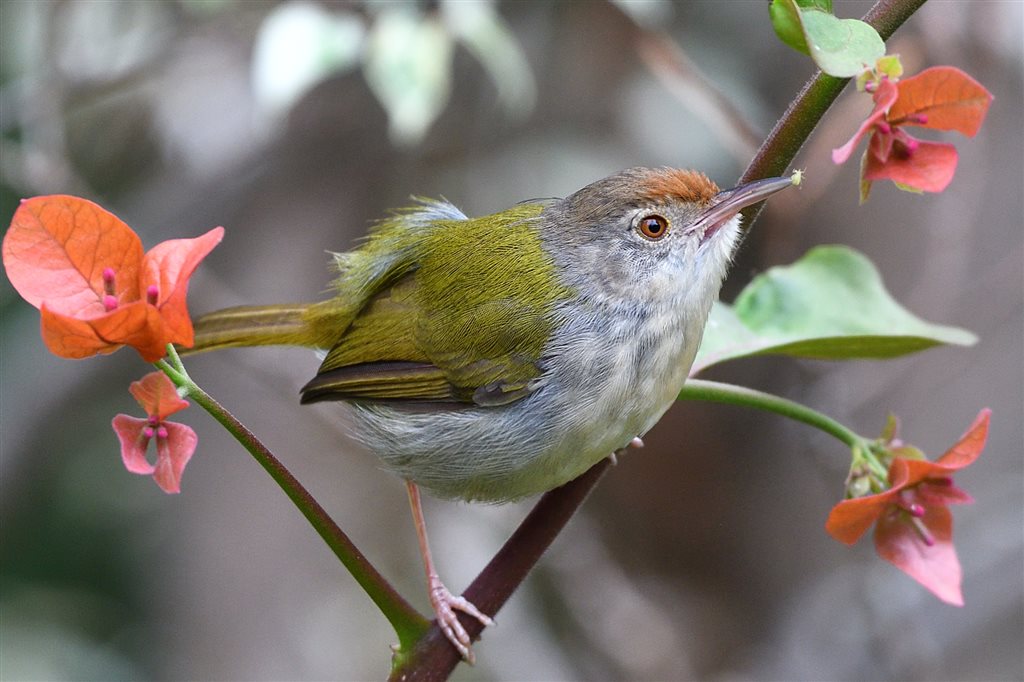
597 395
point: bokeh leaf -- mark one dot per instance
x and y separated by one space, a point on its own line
408 66
299 45
831 304
479 27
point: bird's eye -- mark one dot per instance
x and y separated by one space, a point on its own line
653 226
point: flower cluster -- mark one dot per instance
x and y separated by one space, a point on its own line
913 526
95 289
940 98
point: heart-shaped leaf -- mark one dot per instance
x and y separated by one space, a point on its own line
831 305
840 47
785 16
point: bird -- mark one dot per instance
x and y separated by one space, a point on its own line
493 358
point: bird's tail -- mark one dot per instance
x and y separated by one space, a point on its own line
264 325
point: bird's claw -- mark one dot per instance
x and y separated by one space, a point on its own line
636 444
445 604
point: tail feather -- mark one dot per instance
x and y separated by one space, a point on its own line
268 325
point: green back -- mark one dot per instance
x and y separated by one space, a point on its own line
438 308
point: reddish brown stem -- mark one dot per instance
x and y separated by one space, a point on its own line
433 657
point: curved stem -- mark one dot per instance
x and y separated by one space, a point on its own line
408 623
730 394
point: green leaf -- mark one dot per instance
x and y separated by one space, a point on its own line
785 16
298 46
830 305
479 26
840 47
408 66
907 188
891 66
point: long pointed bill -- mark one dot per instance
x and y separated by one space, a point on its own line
729 202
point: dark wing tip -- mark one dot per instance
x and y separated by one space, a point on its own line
397 380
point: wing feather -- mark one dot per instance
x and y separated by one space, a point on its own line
462 316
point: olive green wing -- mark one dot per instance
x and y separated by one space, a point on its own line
395 350
468 324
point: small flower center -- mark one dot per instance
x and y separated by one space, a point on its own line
154 429
109 291
152 294
920 119
108 281
904 149
906 503
925 534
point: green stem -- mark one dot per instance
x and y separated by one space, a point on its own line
715 392
869 457
408 623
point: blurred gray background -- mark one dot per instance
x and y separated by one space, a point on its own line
294 125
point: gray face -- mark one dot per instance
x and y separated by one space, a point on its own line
634 238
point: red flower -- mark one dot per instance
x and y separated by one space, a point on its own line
914 528
85 271
175 442
941 98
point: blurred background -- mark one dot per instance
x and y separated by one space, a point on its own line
295 124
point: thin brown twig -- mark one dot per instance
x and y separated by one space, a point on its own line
681 77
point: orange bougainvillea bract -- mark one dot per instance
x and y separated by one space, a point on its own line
913 527
95 288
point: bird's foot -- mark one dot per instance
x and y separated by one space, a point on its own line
445 604
636 443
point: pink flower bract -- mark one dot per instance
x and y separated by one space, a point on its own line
175 442
941 98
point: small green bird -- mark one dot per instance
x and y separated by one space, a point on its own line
497 357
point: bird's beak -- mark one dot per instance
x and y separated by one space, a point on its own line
729 202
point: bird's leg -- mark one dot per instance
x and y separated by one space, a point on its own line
444 602
636 443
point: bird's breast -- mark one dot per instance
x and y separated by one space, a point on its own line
620 372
